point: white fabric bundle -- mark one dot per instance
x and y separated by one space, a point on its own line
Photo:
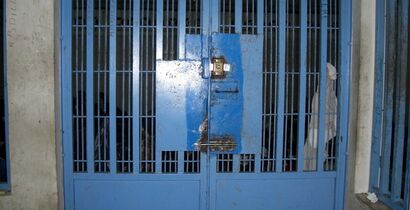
310 148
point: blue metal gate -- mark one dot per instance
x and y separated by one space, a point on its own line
205 104
390 168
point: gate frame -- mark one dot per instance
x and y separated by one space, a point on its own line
345 63
65 105
63 99
5 186
384 54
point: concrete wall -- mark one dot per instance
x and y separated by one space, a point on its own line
30 48
351 202
366 91
361 106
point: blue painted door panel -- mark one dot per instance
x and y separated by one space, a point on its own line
181 104
124 195
235 101
296 194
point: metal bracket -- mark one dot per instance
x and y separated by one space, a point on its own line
218 144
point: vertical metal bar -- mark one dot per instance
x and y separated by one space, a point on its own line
7 185
400 109
214 15
230 165
125 85
236 163
83 79
112 87
238 16
155 156
302 85
129 65
83 94
389 92
143 63
211 194
144 84
253 15
281 84
66 91
76 70
198 11
222 5
181 29
165 26
294 74
271 76
180 156
89 88
197 161
332 52
159 53
313 75
264 151
131 131
136 86
189 23
122 88
206 26
205 162
273 95
322 86
345 12
98 112
407 159
159 28
259 16
259 30
174 31
204 186
231 10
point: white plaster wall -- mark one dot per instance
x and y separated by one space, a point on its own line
351 201
365 99
361 105
30 62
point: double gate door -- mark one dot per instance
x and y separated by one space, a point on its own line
204 104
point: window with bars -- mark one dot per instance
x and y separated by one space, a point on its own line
193 16
169 161
227 16
192 162
147 116
224 163
247 163
301 88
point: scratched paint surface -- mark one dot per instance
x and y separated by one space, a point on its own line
235 100
181 101
182 96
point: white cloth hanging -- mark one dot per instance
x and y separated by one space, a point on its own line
310 147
